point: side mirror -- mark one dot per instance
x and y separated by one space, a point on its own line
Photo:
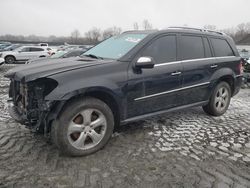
145 63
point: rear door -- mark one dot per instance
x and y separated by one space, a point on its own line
225 57
36 52
197 60
153 89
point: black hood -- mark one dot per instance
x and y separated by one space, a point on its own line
29 72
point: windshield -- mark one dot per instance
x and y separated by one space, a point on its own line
115 47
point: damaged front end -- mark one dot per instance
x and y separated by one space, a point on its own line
27 104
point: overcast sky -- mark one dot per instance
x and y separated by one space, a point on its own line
61 17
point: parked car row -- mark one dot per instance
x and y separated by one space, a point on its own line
4 45
18 53
24 53
59 55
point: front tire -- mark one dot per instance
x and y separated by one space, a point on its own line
84 126
219 100
10 60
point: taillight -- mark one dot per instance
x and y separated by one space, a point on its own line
241 68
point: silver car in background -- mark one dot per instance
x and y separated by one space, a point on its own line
24 53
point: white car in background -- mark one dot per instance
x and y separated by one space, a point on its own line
24 53
2 61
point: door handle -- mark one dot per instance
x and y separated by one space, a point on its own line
175 73
214 66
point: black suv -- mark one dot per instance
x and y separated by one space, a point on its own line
79 101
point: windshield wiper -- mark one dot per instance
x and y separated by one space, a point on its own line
93 56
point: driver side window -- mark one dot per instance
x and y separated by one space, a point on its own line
162 49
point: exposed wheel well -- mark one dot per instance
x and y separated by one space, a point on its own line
109 100
230 80
103 96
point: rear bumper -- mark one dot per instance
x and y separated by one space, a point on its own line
237 84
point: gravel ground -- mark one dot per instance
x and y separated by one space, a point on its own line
181 149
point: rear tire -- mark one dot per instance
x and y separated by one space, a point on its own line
219 100
84 127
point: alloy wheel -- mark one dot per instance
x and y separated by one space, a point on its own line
87 129
221 99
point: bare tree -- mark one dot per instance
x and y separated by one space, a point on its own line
111 32
93 35
136 26
241 31
146 25
75 35
229 31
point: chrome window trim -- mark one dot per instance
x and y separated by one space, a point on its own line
168 63
225 57
191 60
171 91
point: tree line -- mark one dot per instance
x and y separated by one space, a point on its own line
238 32
95 35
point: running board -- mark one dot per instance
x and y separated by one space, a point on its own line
162 112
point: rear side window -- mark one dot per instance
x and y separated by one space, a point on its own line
25 50
221 48
191 47
162 49
36 49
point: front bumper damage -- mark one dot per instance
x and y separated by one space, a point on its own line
27 105
35 123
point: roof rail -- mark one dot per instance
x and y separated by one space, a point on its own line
198 29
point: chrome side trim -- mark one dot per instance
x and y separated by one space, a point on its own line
191 60
171 91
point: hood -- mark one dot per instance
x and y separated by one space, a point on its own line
4 53
29 72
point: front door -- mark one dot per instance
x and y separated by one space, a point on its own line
24 54
155 89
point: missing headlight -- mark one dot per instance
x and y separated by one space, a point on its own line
43 86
